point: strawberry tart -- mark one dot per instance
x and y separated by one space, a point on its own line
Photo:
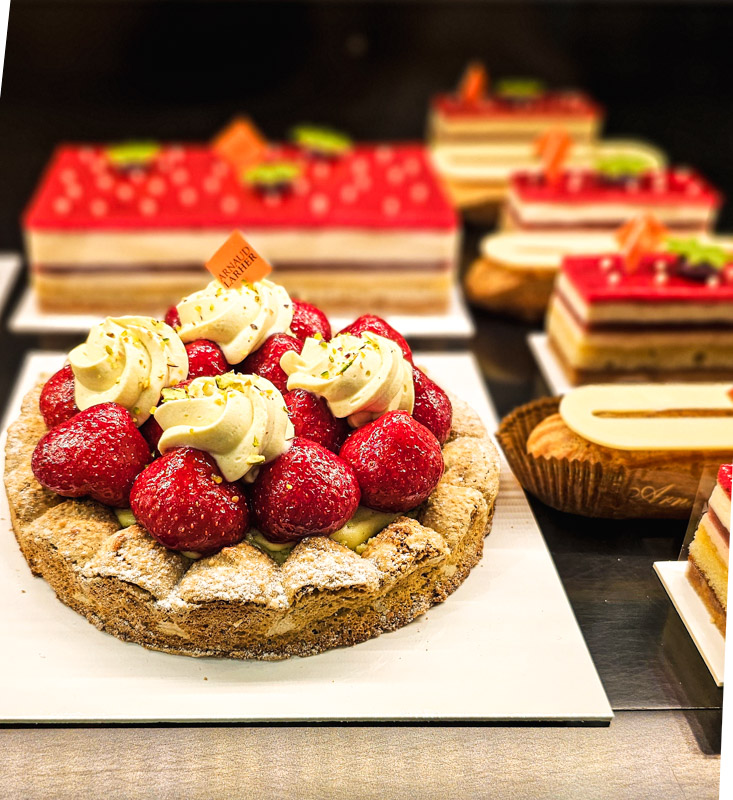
242 483
128 229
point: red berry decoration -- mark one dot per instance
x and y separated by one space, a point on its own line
432 408
172 318
57 402
205 359
266 360
313 420
152 433
98 452
308 320
183 502
306 491
398 462
377 325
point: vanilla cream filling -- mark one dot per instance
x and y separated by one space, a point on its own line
238 320
128 360
240 420
512 125
531 251
360 377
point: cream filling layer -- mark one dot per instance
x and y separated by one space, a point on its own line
531 251
513 124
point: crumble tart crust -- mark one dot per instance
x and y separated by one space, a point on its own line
239 603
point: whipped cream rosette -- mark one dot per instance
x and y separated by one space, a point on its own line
239 420
360 377
128 360
238 320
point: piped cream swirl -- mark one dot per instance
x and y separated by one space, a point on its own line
238 320
360 377
240 420
128 360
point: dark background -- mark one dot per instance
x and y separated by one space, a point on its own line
179 70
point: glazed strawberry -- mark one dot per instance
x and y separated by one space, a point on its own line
205 358
98 452
152 433
377 325
306 491
183 502
171 318
308 320
266 360
313 420
432 408
398 462
57 402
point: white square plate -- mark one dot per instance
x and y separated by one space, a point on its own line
708 639
9 266
505 646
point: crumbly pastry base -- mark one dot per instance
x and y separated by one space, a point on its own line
700 584
239 603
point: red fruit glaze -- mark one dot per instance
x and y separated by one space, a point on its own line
57 402
178 500
152 433
398 462
432 408
205 358
266 360
172 318
308 321
306 491
98 452
313 420
368 322
725 478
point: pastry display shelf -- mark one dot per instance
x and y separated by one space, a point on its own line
9 266
548 363
454 324
504 647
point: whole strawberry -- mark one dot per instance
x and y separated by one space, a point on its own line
398 462
172 318
377 325
152 433
306 491
205 358
266 360
56 402
98 452
183 502
432 408
308 320
313 420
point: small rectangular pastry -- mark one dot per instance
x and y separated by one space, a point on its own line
671 316
478 175
585 199
707 563
621 451
369 225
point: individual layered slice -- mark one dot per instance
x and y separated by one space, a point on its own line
590 199
479 174
707 564
370 226
666 318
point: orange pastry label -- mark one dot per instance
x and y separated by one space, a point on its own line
474 84
553 147
652 416
240 143
236 261
639 236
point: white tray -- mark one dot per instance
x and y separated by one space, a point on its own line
550 367
9 266
708 639
456 323
504 647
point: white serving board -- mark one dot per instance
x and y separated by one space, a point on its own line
707 638
550 367
9 266
505 646
456 323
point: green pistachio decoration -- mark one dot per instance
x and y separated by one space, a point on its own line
272 174
519 88
622 166
321 140
695 252
132 154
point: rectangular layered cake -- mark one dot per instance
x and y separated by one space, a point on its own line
587 199
707 564
666 318
513 114
369 227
